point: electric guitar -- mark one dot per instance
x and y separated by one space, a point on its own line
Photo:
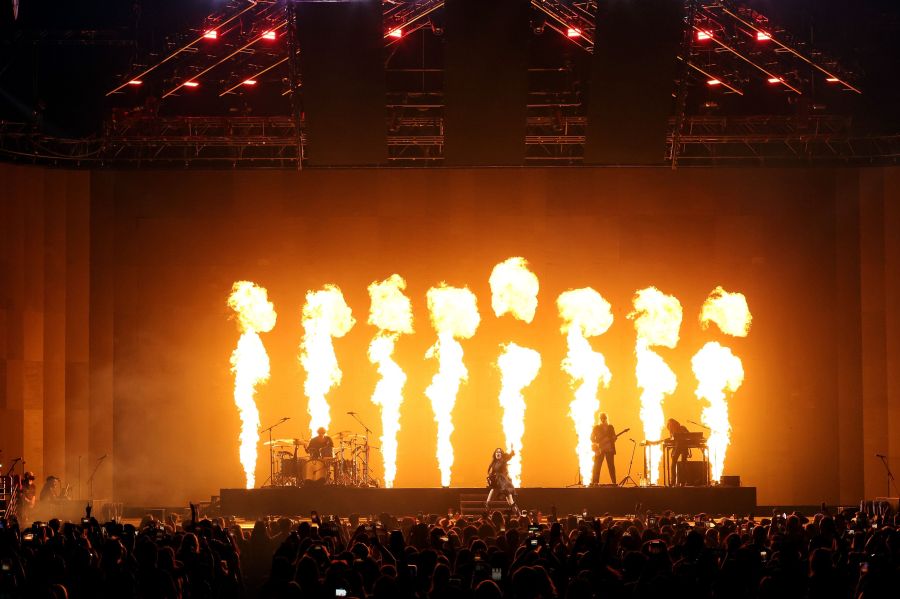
595 447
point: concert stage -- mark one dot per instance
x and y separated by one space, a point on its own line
294 501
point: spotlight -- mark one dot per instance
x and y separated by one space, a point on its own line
250 82
135 82
774 80
396 33
704 35
268 35
211 34
191 84
833 80
713 82
573 32
762 36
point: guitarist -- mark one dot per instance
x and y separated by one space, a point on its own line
603 442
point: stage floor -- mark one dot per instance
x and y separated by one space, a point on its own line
341 501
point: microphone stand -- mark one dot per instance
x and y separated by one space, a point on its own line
91 478
890 475
630 464
366 480
271 480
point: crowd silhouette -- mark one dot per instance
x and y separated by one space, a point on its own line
849 554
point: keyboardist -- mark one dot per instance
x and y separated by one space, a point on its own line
679 451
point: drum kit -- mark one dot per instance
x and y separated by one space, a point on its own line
348 465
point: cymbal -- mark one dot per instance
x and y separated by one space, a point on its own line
279 442
342 434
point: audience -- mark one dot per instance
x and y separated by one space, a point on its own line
844 555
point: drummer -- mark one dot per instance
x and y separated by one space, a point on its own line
321 446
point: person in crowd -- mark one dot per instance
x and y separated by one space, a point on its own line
851 554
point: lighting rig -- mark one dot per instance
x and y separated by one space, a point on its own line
226 92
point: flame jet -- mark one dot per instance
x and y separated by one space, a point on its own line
657 320
518 368
250 365
585 313
325 316
454 315
391 312
718 370
514 290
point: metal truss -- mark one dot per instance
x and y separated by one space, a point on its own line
248 142
242 56
774 140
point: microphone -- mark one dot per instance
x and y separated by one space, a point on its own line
101 458
352 413
698 424
632 440
285 418
880 455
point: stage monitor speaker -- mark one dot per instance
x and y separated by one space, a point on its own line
691 474
730 481
341 48
485 81
632 80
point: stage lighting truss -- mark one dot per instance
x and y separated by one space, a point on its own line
731 51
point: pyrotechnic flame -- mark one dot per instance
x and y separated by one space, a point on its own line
518 368
325 316
391 312
514 289
454 315
250 365
717 371
585 314
728 310
657 319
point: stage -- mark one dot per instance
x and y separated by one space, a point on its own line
294 501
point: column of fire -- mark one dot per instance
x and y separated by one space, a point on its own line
250 365
325 316
657 320
391 312
454 315
514 291
585 314
719 371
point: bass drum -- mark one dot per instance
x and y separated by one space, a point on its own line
317 471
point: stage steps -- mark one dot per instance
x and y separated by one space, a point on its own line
472 504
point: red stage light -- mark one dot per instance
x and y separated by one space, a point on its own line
191 84
250 82
397 33
573 32
211 34
762 36
135 82
704 35
713 82
832 80
268 35
774 79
